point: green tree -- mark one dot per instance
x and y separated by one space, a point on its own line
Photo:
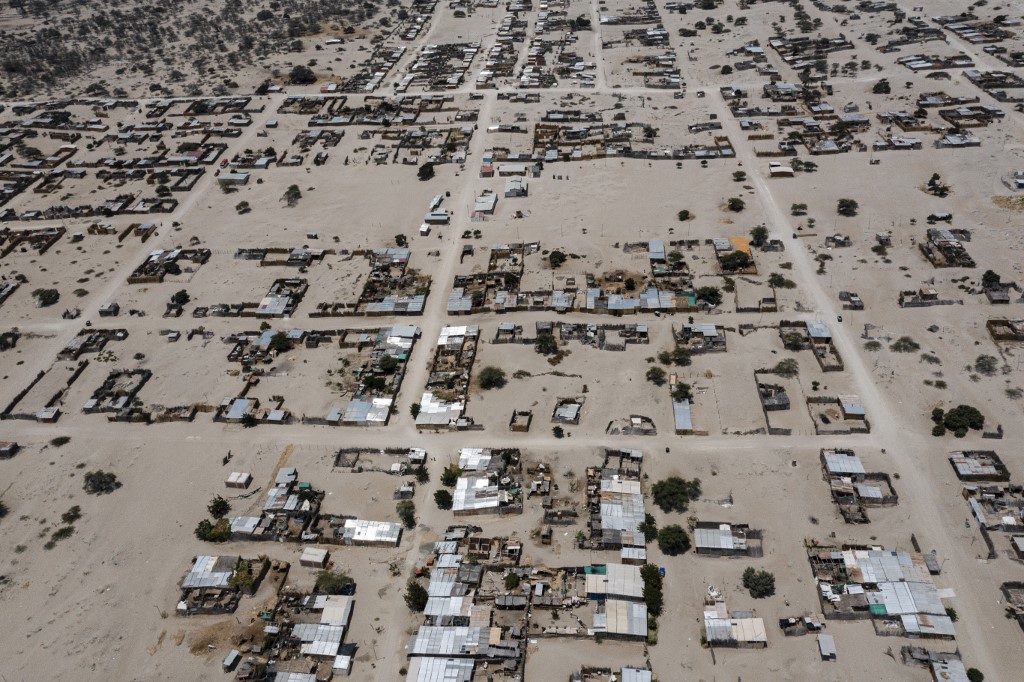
301 75
425 172
100 482
512 581
760 583
680 356
492 377
280 342
712 295
450 475
406 510
882 87
218 507
653 595
759 235
963 417
443 499
292 195
673 540
735 204
684 215
847 207
681 392
414 410
675 493
415 595
556 258
546 343
557 432
649 528
975 675
213 532
735 261
656 375
180 298
990 279
46 297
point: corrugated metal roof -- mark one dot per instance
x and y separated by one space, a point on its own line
681 415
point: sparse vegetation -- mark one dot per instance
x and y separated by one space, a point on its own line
787 368
905 344
60 441
986 364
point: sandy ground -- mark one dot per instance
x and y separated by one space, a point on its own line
100 604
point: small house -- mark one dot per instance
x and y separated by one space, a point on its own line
239 479
314 557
